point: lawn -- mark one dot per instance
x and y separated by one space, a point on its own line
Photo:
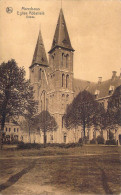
79 170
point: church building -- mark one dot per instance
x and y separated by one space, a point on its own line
53 80
55 86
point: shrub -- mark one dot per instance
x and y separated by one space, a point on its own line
100 139
111 136
80 140
111 142
93 141
38 146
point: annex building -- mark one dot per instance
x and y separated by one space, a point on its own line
55 87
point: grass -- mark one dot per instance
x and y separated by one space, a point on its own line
87 169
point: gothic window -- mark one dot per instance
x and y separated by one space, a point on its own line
67 80
62 121
67 60
46 104
63 79
62 62
65 137
40 74
63 96
67 97
44 100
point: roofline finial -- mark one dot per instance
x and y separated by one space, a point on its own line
61 4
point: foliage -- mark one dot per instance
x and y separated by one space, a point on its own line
84 111
80 140
113 115
44 122
111 142
22 145
93 141
16 93
111 135
100 139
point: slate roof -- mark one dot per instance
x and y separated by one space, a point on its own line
61 36
102 88
39 56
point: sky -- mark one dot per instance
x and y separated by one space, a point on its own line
94 28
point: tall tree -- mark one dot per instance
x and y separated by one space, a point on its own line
83 111
16 93
113 115
45 122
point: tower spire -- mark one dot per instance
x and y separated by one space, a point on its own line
61 4
61 36
39 56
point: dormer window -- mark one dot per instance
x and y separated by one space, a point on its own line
54 42
111 90
97 92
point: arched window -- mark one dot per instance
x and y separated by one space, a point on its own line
67 60
40 74
62 121
65 135
67 80
67 97
63 76
62 60
44 101
46 104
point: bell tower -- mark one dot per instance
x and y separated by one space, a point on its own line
61 76
38 73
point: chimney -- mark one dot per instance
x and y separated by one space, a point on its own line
113 75
99 80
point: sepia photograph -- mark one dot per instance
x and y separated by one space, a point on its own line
60 97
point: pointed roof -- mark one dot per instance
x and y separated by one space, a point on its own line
39 56
61 37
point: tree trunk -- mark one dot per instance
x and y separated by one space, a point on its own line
2 131
4 105
84 128
84 132
29 134
44 137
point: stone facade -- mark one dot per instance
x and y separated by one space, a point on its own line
55 86
53 81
